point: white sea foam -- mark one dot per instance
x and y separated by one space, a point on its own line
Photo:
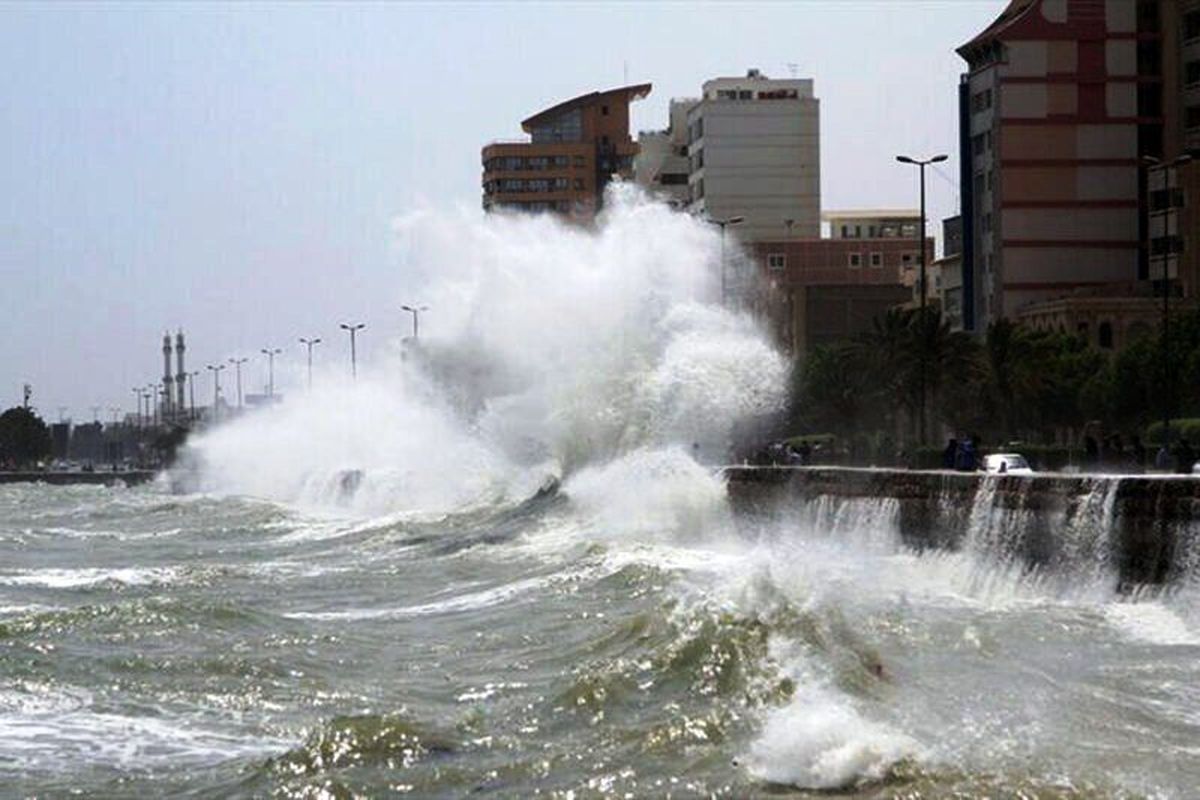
1151 622
819 741
61 578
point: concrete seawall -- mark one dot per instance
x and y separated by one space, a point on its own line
127 477
1145 529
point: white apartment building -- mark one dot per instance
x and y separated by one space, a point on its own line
661 165
754 150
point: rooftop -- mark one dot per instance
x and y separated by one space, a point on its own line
872 213
627 93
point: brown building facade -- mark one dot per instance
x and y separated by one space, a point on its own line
824 290
573 151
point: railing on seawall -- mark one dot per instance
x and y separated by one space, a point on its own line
1144 528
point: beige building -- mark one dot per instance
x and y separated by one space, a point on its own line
754 150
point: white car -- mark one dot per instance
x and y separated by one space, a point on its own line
1006 464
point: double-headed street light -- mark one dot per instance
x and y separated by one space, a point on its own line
921 164
309 343
1158 165
237 366
352 329
270 353
723 224
215 369
416 314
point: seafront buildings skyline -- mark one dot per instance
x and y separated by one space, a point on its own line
1077 121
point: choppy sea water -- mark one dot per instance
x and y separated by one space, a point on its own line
584 643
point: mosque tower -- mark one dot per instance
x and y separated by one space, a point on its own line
167 379
180 374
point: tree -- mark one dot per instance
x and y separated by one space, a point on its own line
24 437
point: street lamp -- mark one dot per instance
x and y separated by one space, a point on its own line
237 365
270 353
921 164
137 394
216 373
309 343
1158 165
416 313
353 328
724 223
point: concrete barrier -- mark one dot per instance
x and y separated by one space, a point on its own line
1143 528
131 477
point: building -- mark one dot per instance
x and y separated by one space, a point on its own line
946 282
661 166
1173 174
754 150
825 290
1109 318
1054 120
878 224
574 150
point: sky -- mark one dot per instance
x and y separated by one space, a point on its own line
234 170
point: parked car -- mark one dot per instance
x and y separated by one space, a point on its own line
1007 464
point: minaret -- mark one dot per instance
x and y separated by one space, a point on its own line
167 380
180 373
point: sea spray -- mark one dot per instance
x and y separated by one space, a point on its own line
549 347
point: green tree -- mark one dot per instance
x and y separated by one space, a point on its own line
24 437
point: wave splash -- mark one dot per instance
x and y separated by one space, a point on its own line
549 348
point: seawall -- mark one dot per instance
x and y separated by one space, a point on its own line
1144 529
130 477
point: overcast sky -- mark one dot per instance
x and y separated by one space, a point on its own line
234 169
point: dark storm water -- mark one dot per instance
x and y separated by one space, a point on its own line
160 645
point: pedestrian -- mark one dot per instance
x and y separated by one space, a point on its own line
949 454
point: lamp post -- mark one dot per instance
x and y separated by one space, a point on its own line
215 369
310 343
921 164
353 328
237 366
137 395
146 399
270 353
1158 165
416 315
723 224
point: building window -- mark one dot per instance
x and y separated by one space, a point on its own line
845 231
986 223
560 184
876 259
745 94
562 161
907 258
1191 25
579 183
776 261
855 260
604 111
580 161
871 232
977 144
1191 72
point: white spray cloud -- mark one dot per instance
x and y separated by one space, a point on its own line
546 347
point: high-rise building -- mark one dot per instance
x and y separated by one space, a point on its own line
574 150
754 150
1172 220
1054 120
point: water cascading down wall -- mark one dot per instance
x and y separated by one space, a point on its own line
1139 529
